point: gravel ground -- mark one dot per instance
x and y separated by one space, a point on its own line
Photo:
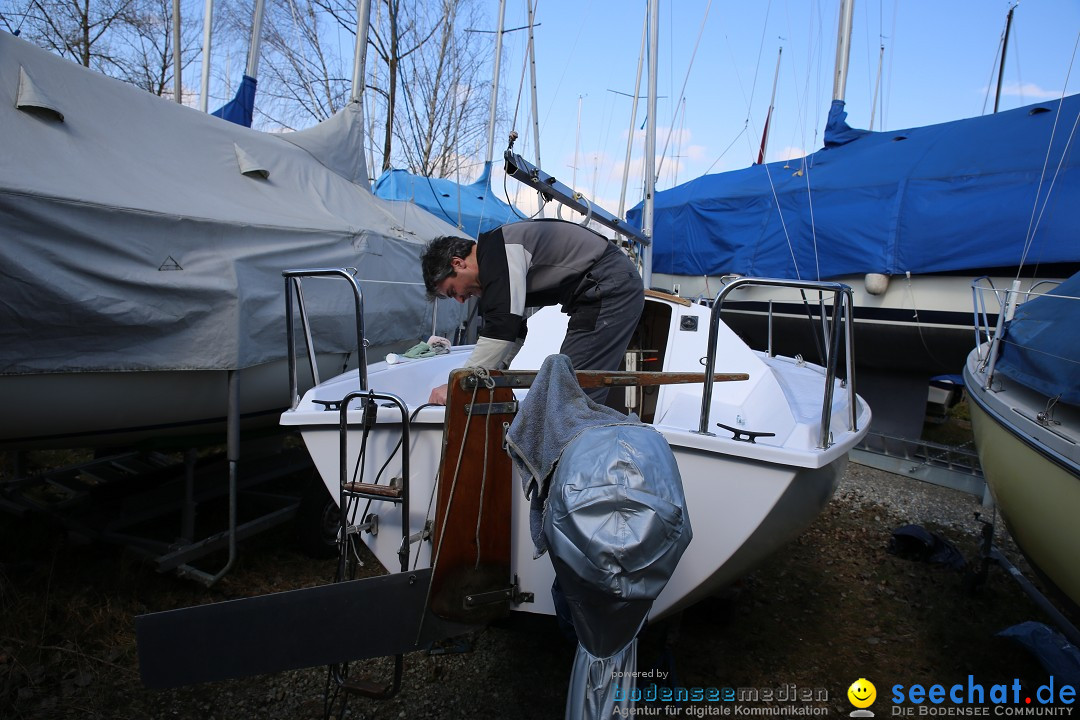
920 502
832 608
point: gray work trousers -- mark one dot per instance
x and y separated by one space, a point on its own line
604 314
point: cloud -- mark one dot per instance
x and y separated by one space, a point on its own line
1029 91
790 153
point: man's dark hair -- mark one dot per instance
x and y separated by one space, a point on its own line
437 257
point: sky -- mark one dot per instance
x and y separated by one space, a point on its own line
717 60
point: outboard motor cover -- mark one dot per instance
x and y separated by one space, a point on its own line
616 525
607 504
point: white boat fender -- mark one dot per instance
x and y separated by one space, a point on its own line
876 283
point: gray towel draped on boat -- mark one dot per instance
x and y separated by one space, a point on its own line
614 518
553 413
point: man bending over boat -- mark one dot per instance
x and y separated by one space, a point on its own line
535 263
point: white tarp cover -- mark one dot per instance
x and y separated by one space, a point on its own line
133 239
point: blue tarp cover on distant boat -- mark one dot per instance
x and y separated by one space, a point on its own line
241 109
473 208
1042 347
954 196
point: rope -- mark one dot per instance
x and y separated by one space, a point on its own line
482 374
453 484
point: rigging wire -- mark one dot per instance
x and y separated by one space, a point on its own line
525 60
730 145
802 102
747 122
887 91
757 66
569 55
682 91
676 153
1033 223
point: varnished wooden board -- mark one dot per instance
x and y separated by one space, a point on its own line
621 378
472 517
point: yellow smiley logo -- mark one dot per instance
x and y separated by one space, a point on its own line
862 693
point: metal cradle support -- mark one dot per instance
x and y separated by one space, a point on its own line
989 553
232 435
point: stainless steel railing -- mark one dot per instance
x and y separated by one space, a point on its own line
842 314
294 295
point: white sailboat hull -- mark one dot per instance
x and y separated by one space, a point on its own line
119 409
745 500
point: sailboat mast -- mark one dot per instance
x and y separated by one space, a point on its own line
204 85
650 144
256 38
495 83
877 84
363 21
177 68
532 81
768 116
1001 66
843 48
633 118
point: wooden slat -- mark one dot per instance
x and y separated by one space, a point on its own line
387 491
685 302
622 378
472 526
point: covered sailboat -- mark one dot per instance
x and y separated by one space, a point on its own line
919 205
1024 385
942 198
907 218
473 208
144 244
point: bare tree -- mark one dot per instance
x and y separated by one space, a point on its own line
398 36
426 79
77 29
446 97
303 76
127 39
148 37
427 85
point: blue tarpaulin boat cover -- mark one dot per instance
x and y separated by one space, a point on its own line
955 196
241 109
1040 351
473 208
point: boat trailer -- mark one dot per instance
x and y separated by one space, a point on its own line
469 585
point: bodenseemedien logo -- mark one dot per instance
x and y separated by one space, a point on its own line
862 694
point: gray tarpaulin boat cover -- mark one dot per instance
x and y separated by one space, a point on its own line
614 519
139 234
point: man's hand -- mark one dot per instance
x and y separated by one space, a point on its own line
438 395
